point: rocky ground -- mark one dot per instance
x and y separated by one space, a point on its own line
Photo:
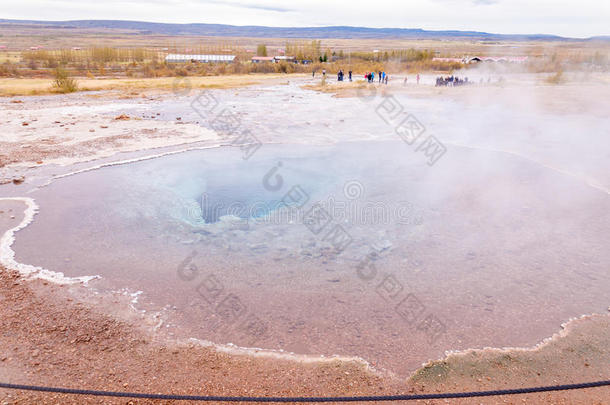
68 129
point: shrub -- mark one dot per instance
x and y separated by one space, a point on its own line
8 69
261 50
64 83
284 67
182 72
557 78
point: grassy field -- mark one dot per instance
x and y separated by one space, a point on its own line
10 56
23 37
25 87
137 62
19 37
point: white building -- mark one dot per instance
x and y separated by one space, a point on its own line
179 58
283 58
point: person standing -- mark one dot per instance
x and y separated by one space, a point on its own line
379 73
385 78
405 82
418 78
350 75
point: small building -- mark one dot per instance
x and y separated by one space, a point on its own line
517 59
283 58
261 59
498 59
185 58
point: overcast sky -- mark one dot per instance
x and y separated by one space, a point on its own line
578 18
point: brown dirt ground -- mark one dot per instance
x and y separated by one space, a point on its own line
50 338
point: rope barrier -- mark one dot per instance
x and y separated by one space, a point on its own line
367 398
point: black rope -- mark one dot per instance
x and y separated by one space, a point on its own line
308 399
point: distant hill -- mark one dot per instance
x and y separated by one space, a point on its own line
222 30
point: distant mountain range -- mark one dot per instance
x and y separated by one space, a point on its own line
222 30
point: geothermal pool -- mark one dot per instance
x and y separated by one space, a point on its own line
353 248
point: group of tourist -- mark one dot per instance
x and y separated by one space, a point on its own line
451 81
340 75
381 76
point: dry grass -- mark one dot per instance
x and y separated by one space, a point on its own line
557 78
10 56
22 37
25 87
63 83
